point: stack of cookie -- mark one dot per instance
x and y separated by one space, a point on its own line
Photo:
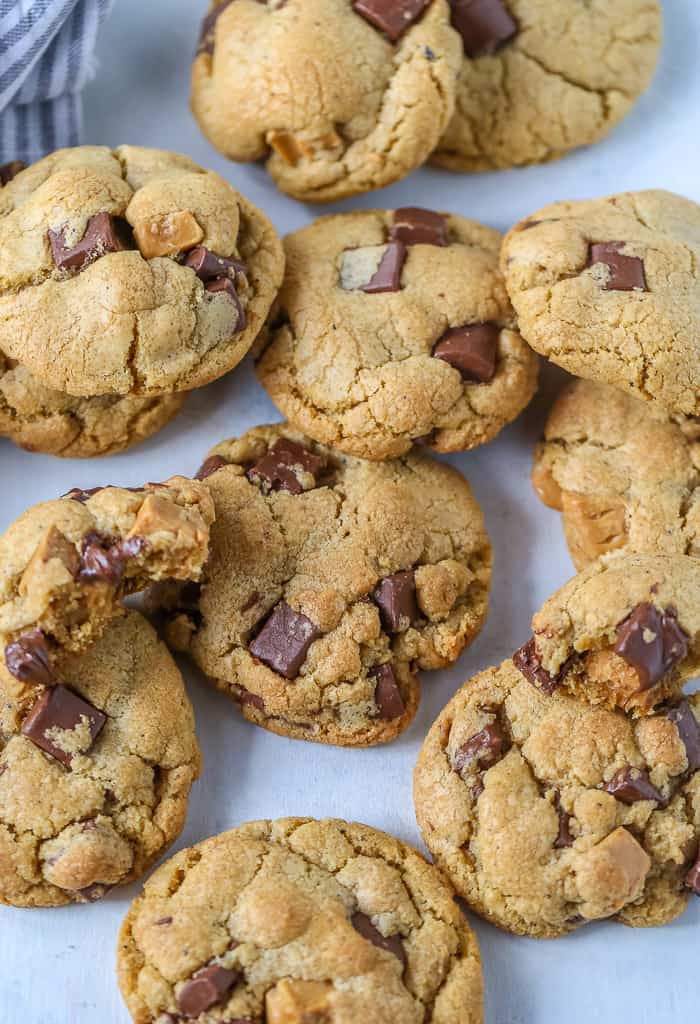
129 277
470 84
564 786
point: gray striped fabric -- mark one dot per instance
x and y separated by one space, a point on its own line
46 56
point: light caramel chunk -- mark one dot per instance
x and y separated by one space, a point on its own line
54 545
546 487
168 235
595 524
157 515
286 146
298 1002
612 874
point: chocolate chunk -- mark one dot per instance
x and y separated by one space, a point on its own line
92 893
527 661
283 642
564 837
692 879
27 658
415 226
208 266
393 17
387 695
482 751
205 989
626 272
396 598
689 732
652 642
78 494
471 349
209 466
484 25
393 944
246 697
164 920
207 31
100 560
60 708
224 285
632 784
387 276
281 468
104 234
10 170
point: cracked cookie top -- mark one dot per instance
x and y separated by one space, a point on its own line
540 78
130 271
395 327
330 580
609 289
624 476
95 773
66 564
40 419
623 633
299 920
338 97
547 813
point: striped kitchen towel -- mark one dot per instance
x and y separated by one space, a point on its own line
46 57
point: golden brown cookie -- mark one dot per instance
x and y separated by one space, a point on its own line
540 78
395 327
623 475
65 565
547 813
131 272
331 579
337 97
609 290
298 921
623 633
40 419
95 772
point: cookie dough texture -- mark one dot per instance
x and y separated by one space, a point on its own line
333 106
357 371
624 476
278 904
65 564
126 324
531 839
569 74
40 419
71 833
323 552
577 629
644 340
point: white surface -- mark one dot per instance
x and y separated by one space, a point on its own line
57 966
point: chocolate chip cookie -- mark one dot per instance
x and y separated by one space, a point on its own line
40 419
336 96
624 476
95 772
547 813
131 272
331 579
609 289
294 921
394 327
539 79
65 565
623 633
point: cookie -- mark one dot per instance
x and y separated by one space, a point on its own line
131 272
65 565
623 633
395 327
331 579
547 813
283 83
95 773
39 419
609 289
623 475
540 78
296 921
